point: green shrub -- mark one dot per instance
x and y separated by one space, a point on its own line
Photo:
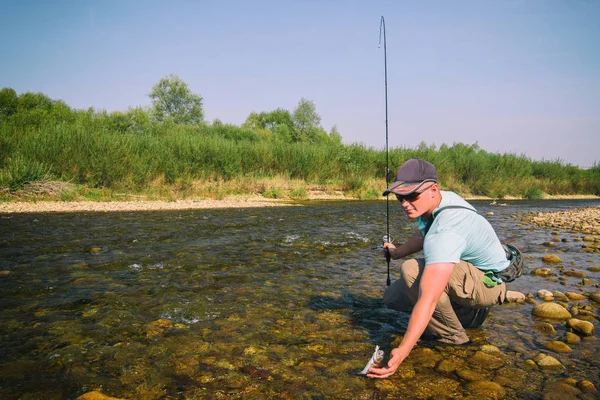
533 193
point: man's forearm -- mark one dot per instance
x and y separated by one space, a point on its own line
412 245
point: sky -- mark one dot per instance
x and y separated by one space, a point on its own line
520 77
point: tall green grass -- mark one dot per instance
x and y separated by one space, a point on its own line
95 150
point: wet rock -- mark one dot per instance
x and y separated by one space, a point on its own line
469 375
489 349
549 244
542 272
95 395
557 346
4 273
584 328
446 366
510 376
425 357
486 390
546 328
575 296
574 273
595 296
571 338
589 239
560 296
586 386
551 311
545 295
486 361
551 259
158 328
546 361
560 391
594 269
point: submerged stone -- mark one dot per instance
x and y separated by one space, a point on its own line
542 272
557 346
546 361
575 296
486 390
552 259
95 395
486 361
582 327
551 311
586 386
571 338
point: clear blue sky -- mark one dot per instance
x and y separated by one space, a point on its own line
515 76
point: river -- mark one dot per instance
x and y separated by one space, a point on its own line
258 303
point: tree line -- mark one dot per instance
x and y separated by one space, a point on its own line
168 147
172 103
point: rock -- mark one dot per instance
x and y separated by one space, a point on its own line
571 338
486 361
545 295
560 296
489 349
96 396
575 296
594 269
469 375
584 328
486 389
551 311
573 273
546 361
551 259
589 239
557 346
542 272
586 386
448 366
157 328
546 328
595 296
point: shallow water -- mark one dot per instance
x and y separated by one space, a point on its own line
254 303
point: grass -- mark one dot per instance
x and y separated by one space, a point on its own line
179 161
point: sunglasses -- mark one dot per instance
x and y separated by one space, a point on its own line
414 196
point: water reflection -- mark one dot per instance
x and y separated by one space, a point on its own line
250 303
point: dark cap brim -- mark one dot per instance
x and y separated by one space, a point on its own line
409 187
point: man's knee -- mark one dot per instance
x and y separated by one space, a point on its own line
409 272
401 295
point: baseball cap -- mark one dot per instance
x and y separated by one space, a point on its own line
411 176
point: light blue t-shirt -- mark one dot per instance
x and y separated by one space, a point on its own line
458 234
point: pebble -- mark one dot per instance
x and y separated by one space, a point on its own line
557 346
552 259
546 361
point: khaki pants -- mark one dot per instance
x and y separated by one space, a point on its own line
465 303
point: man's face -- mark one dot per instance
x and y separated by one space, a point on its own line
418 202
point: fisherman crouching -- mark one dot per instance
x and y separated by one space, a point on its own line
462 274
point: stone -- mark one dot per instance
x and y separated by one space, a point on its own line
575 274
594 269
95 395
571 338
584 328
595 296
542 272
575 296
546 361
546 328
551 311
586 386
489 349
486 389
557 346
560 296
469 375
551 259
545 295
486 361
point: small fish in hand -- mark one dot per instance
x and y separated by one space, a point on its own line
375 360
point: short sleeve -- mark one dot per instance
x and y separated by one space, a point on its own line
443 247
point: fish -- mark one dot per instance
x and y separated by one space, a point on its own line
375 360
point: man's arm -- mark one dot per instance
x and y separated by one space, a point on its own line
412 245
433 282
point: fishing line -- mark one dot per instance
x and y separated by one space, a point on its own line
387 237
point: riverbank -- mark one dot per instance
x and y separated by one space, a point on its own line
35 206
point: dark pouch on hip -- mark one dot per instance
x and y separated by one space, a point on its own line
515 268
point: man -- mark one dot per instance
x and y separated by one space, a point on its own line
458 279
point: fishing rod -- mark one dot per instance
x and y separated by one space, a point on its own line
386 238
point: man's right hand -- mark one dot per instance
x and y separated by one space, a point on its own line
387 246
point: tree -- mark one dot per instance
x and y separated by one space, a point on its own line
173 101
306 121
8 102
